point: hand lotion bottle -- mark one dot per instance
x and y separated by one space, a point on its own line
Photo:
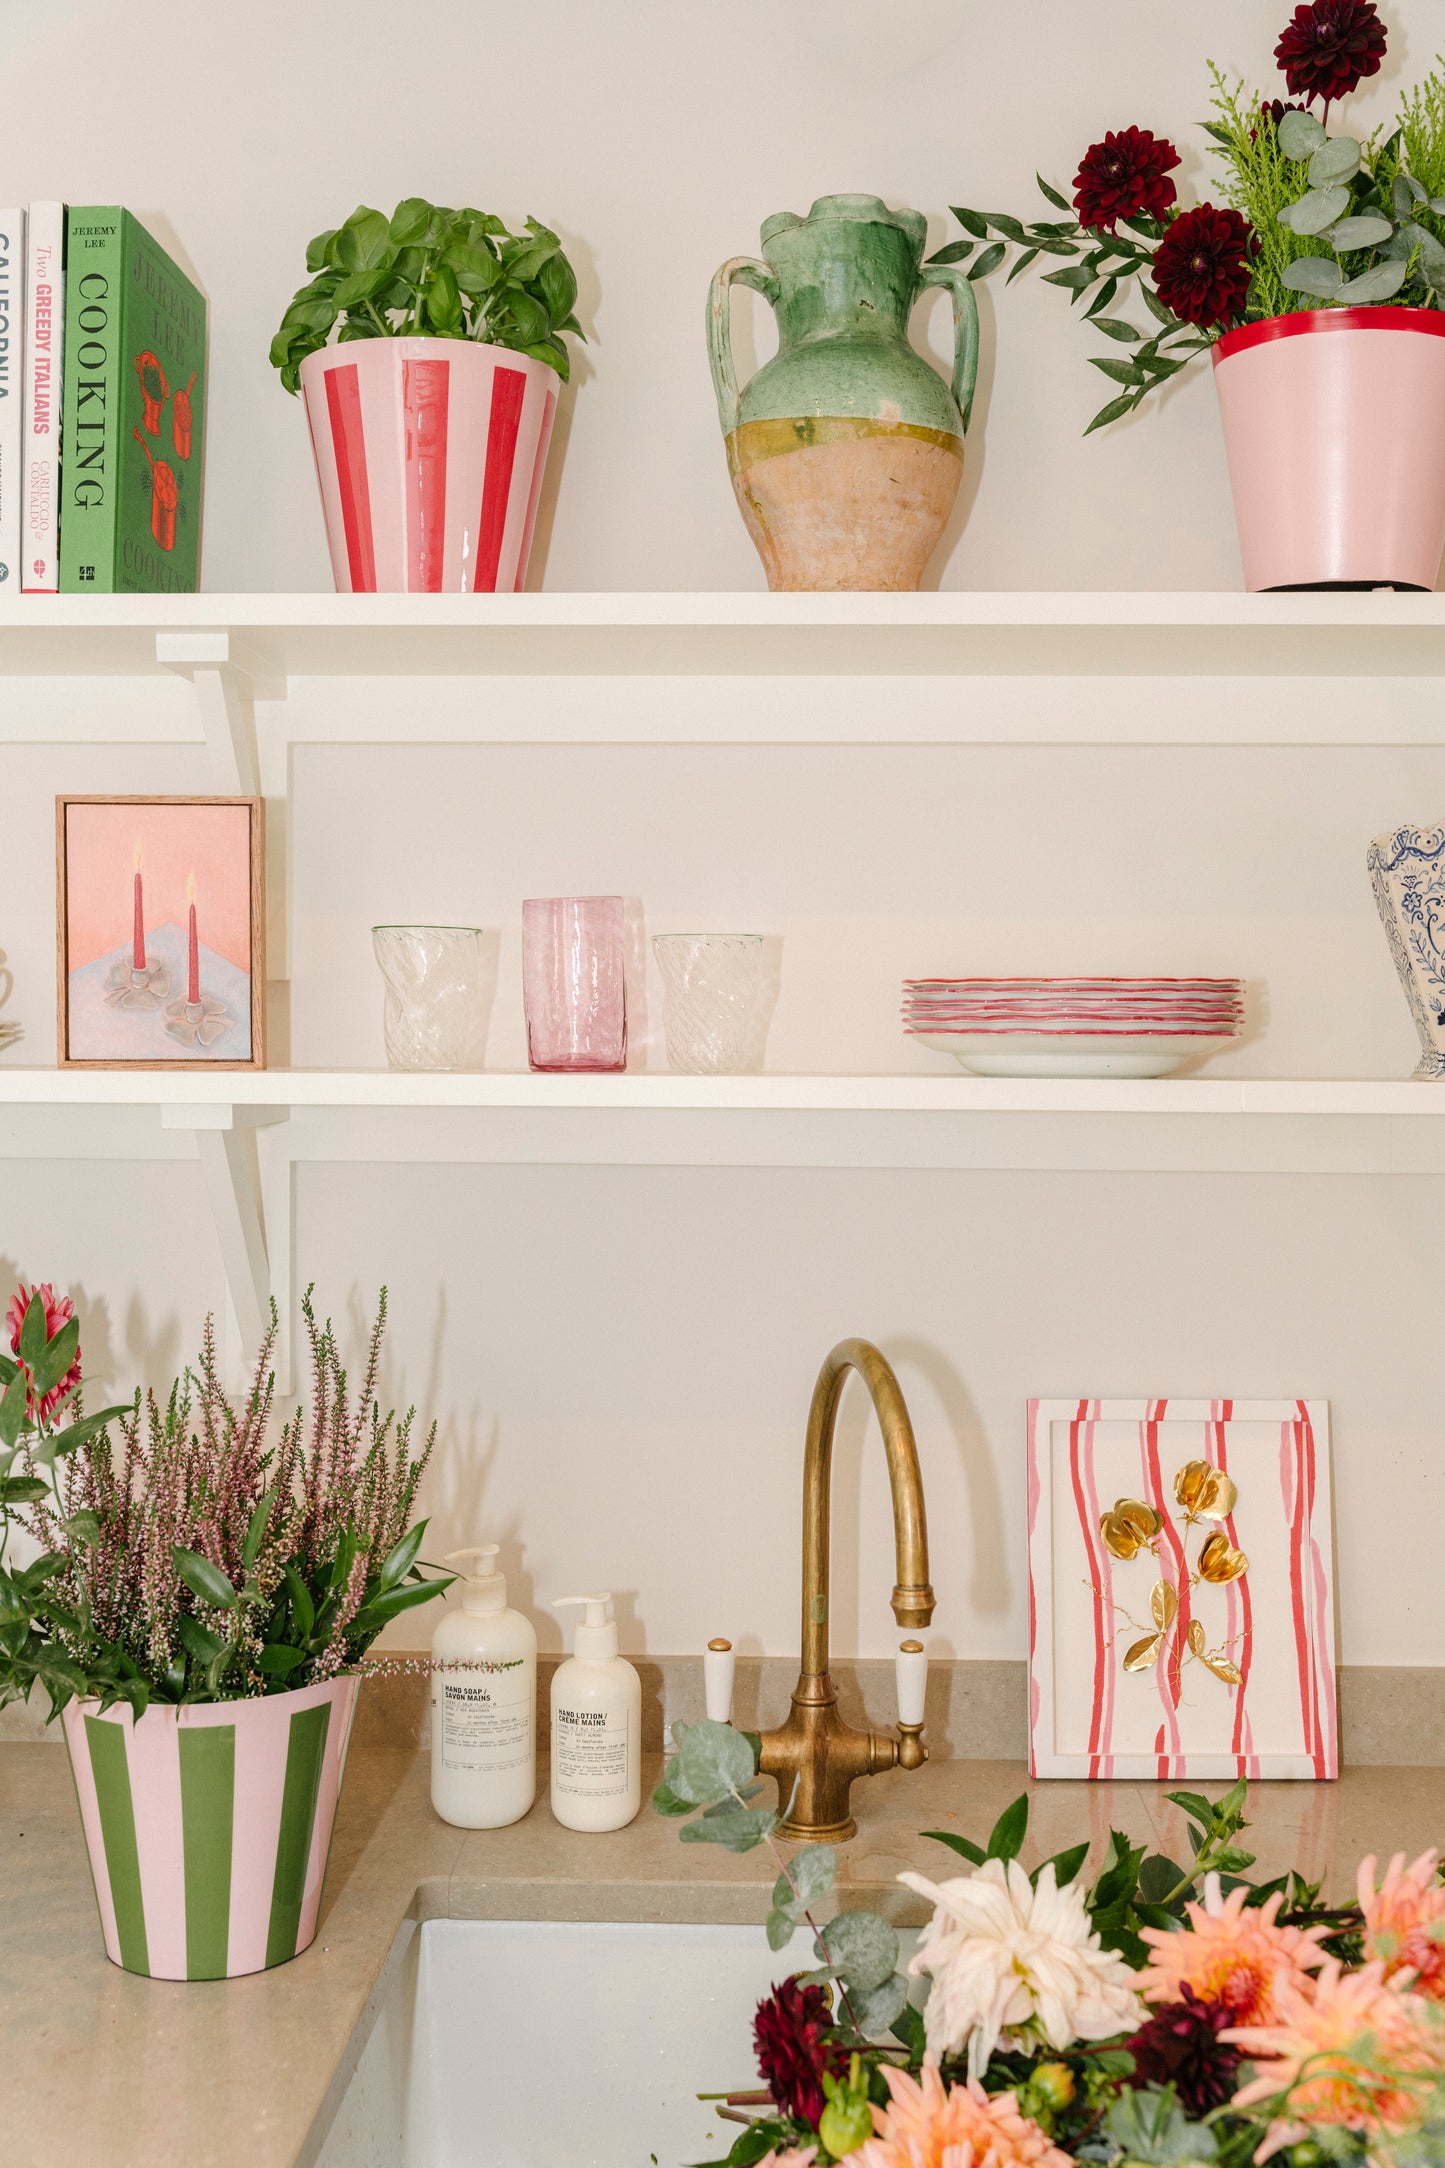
596 1726
483 1704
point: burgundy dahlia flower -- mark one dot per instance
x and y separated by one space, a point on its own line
1328 46
1179 2045
59 1310
791 2034
1125 176
1202 266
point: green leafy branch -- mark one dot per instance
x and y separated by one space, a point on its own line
1099 267
428 271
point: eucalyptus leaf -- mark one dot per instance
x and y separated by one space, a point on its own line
713 1761
810 1875
862 1947
1336 160
736 1829
1376 284
1320 208
1318 275
879 2009
1300 135
781 1928
1367 231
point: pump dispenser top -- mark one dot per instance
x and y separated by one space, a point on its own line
486 1590
595 1637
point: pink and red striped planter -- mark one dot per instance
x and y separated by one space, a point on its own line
430 455
208 1826
1334 426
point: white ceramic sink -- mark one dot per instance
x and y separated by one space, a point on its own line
536 2044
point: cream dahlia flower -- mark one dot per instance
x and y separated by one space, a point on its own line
1006 1958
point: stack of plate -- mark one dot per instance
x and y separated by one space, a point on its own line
1074 1027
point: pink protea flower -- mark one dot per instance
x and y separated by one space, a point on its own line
1405 1920
1231 1954
59 1310
928 2125
1350 2050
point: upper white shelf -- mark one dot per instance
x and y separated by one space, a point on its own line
974 634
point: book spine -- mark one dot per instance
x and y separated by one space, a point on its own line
91 407
44 347
12 346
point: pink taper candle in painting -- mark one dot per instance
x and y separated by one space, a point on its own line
193 983
138 930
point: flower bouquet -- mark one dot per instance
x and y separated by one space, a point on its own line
1157 2013
1317 287
196 1603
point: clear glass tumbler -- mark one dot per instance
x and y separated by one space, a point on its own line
574 982
710 988
437 995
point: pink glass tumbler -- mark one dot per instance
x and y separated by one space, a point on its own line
573 982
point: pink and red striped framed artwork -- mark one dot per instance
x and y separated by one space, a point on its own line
1181 1589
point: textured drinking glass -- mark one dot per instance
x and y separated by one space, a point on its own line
574 982
710 987
436 995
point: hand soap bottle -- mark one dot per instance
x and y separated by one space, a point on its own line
483 1704
596 1727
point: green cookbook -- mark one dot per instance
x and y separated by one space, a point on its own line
133 421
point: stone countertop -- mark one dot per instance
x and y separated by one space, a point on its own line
103 2067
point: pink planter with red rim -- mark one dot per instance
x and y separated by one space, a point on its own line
430 455
1334 425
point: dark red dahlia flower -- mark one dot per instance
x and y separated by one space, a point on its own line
1180 2046
790 2033
1202 266
1124 177
1273 110
1328 46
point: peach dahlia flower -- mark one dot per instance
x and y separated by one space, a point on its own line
928 2125
1349 2049
1405 1920
1233 1954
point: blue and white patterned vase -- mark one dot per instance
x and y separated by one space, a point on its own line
1407 872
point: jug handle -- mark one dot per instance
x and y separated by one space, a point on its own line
747 271
965 329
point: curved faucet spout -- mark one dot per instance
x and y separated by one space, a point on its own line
816 1757
912 1597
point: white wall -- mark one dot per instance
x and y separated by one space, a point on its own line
656 137
621 1359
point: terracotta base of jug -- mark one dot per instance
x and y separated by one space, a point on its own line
843 502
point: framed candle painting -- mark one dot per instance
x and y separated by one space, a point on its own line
1181 1589
161 933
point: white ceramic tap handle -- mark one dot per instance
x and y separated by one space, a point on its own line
912 1669
719 1662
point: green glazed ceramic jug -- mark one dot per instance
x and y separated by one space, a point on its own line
846 449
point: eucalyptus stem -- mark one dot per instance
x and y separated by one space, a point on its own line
786 1873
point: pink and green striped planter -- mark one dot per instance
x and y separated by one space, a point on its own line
208 1826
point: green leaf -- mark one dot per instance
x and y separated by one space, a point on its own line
77 1434
964 1846
1150 2126
1102 300
862 1947
199 1639
277 1658
736 1829
1157 308
1158 1877
1009 1831
910 2029
12 1410
1066 1865
255 1531
375 1613
666 1801
83 1527
990 260
1122 372
1021 263
1366 232
7 1369
971 221
400 1559
955 252
1376 284
879 2008
1010 228
781 1928
714 1761
411 221
1300 135
1320 208
303 1610
364 243
22 1490
1053 195
1114 327
556 283
203 1579
56 1357
812 1873
1336 160
32 1332
1319 275
1077 279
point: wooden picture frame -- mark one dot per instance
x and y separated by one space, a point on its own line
157 900
1151 1656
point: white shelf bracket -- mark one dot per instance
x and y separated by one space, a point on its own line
248 1235
226 700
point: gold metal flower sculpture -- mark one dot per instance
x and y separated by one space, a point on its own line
1204 1494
